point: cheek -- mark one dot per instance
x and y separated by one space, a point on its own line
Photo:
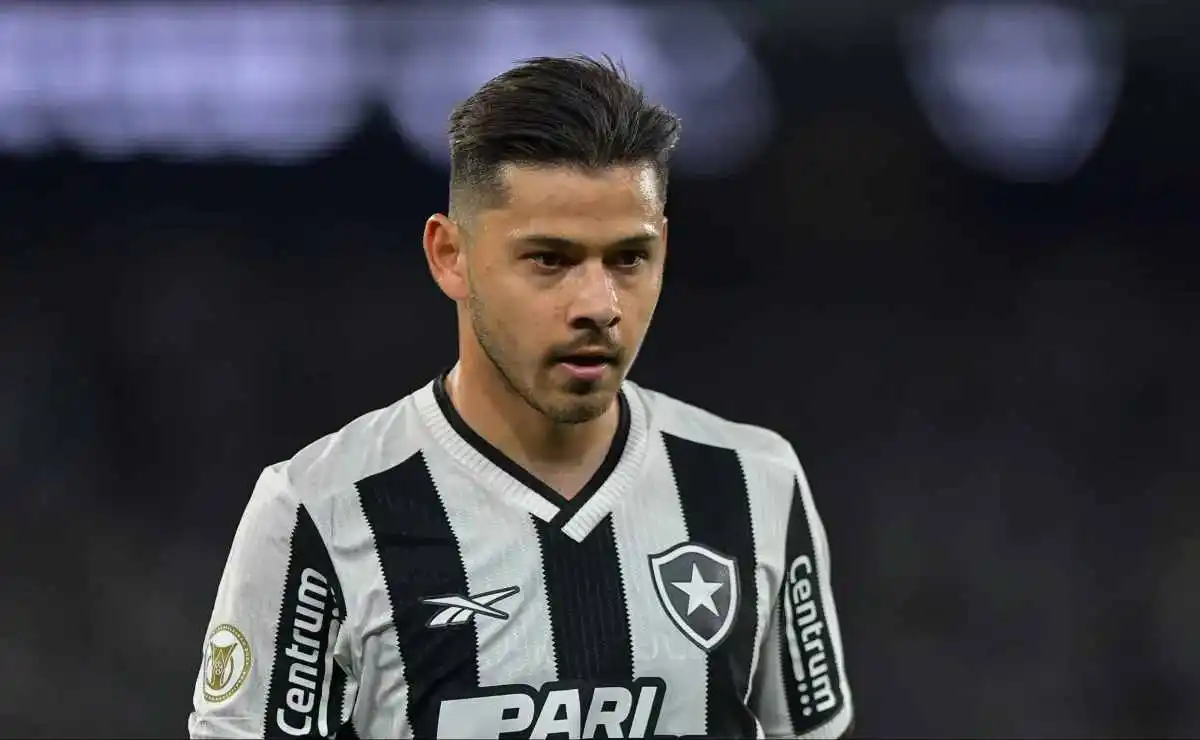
524 313
639 304
508 293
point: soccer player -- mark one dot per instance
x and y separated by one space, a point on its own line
532 545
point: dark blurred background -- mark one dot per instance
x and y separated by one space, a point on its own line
947 249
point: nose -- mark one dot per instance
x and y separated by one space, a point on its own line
596 303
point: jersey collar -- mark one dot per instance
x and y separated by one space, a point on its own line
577 516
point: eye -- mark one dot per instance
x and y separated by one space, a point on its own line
631 259
547 260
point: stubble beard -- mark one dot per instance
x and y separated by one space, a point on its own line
583 410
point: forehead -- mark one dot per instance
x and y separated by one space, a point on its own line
565 200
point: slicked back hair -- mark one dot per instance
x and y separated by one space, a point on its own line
554 111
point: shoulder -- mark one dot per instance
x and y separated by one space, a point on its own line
331 465
681 419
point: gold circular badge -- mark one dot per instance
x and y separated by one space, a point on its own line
226 663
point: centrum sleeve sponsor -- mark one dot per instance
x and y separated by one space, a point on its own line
808 642
307 686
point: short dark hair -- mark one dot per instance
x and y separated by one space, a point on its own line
575 111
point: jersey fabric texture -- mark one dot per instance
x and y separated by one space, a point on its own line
402 578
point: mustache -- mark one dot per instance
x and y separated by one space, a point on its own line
591 343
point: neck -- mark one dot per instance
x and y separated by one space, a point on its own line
487 403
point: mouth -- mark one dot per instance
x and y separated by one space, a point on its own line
589 366
589 359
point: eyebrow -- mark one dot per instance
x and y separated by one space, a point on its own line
559 242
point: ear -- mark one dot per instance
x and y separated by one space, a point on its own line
445 252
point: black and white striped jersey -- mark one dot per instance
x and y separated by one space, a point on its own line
402 578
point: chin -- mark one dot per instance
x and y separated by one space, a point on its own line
578 409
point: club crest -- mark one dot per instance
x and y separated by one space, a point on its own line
698 589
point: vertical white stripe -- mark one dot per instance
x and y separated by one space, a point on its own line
769 487
500 548
381 708
770 702
349 693
647 521
366 643
793 642
250 596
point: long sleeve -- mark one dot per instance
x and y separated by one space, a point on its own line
801 689
268 665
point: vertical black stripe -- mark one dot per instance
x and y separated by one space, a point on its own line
813 690
590 624
347 732
312 599
716 510
420 558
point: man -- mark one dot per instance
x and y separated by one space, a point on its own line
530 545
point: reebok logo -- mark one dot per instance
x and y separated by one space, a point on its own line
459 610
